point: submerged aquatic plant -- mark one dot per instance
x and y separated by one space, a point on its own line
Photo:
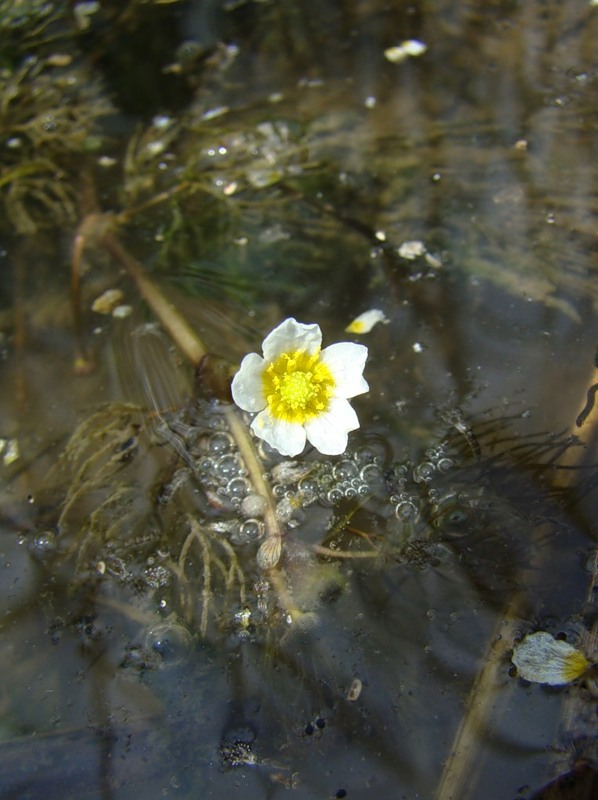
301 392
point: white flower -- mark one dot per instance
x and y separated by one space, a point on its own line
299 391
542 659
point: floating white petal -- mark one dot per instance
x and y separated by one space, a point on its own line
541 658
410 47
366 321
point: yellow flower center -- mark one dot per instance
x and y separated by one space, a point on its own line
298 386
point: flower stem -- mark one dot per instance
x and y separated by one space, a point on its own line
272 546
176 325
194 350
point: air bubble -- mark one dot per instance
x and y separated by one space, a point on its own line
423 472
250 531
334 496
169 642
434 496
344 470
406 511
366 455
370 474
228 466
238 488
308 489
44 543
220 442
434 453
278 491
445 464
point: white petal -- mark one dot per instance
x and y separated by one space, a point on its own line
366 321
291 335
247 386
542 659
286 437
346 361
328 432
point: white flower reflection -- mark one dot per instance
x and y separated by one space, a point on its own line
300 391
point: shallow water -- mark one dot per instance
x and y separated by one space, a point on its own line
264 161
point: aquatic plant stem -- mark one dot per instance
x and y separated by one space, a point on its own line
194 350
459 774
176 325
92 229
272 546
583 433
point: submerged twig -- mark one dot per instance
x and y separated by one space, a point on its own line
174 323
587 409
585 426
460 766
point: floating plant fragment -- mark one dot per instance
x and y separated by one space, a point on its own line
412 249
541 658
366 321
300 391
410 47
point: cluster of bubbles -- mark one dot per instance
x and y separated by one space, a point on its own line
358 474
412 486
221 473
236 510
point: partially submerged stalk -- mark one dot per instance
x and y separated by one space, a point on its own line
463 762
487 691
194 351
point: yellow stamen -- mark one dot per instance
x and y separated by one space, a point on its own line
298 386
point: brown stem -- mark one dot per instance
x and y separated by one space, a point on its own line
181 332
194 350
